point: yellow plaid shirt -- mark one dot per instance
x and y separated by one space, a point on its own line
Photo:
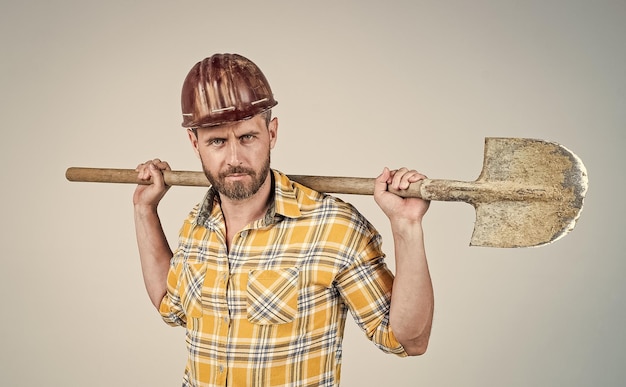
271 311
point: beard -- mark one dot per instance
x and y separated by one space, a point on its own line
238 190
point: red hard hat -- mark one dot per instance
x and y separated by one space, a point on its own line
224 88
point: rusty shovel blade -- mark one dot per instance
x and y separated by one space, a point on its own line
549 183
529 193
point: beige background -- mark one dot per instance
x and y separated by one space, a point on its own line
360 85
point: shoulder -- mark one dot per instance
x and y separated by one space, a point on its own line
316 204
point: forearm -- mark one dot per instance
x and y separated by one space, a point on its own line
154 252
412 300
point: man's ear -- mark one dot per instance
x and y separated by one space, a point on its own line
273 131
193 138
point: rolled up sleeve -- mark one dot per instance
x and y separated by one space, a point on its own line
171 308
366 288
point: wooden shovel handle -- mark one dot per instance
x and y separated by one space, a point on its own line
328 184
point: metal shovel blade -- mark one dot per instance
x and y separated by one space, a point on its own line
547 183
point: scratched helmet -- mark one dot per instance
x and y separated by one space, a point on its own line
224 88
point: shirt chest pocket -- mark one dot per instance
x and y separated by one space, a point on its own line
190 288
272 296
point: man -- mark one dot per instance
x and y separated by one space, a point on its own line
266 269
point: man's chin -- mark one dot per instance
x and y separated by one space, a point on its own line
236 191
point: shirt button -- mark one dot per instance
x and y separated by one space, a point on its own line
221 368
244 234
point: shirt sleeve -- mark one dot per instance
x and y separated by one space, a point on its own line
366 286
171 308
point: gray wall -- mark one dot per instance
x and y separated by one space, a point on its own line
361 85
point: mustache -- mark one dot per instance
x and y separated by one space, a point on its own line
237 170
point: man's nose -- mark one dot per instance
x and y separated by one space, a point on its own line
233 156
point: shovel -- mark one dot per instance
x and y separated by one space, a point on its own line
529 193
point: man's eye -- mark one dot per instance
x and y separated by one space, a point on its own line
217 142
247 137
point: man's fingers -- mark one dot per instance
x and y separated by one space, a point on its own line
162 165
400 179
152 169
403 177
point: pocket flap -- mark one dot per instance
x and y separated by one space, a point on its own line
272 296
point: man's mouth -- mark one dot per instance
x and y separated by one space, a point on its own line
236 175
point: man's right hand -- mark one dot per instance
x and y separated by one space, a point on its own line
150 195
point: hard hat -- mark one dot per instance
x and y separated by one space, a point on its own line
224 88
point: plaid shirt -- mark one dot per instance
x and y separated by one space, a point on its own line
271 311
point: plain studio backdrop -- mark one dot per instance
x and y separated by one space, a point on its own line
361 85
